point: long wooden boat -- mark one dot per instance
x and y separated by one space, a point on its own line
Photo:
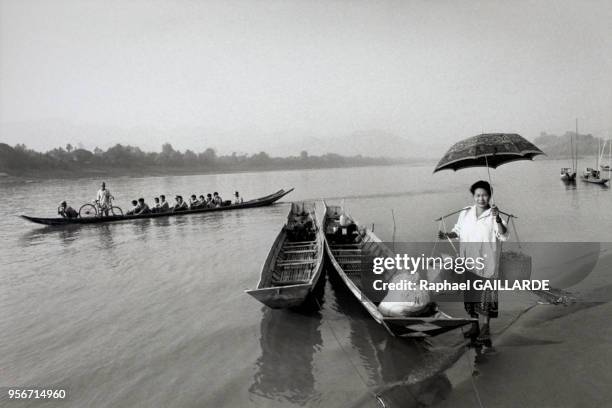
295 261
346 247
258 202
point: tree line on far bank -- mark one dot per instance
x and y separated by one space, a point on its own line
555 146
19 159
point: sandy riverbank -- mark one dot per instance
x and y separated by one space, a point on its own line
553 356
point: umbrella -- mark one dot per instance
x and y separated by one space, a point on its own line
488 150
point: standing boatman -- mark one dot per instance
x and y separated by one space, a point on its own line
104 199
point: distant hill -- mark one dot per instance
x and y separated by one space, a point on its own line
371 143
559 146
124 159
47 134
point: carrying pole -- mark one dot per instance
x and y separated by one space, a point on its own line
458 211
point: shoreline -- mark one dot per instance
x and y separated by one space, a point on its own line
147 172
50 174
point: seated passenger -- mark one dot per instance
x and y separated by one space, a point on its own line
180 204
66 211
143 208
201 201
209 200
133 210
238 199
193 202
156 207
163 206
217 200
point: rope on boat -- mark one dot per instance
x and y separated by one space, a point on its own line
347 355
365 384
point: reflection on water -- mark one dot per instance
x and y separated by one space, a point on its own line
569 184
161 221
289 339
400 372
105 234
67 235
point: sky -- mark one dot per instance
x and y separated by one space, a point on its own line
280 75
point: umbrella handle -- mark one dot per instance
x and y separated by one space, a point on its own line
490 182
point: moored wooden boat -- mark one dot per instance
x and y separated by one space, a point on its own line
346 247
258 202
295 262
567 174
594 176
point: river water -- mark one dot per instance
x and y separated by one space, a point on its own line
153 313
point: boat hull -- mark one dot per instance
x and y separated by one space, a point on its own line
599 181
410 327
259 202
283 297
568 176
280 286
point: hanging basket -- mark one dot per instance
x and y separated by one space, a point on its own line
514 266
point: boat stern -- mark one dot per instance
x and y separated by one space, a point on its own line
281 297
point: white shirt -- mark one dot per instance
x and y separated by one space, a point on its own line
104 197
480 237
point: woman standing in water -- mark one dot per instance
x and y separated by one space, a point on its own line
480 230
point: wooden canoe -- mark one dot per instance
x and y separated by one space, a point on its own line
346 256
258 202
295 261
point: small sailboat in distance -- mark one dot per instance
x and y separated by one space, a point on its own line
567 173
606 167
593 175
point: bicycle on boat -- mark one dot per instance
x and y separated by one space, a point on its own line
96 210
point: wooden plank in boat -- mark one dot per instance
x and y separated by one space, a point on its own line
291 282
284 263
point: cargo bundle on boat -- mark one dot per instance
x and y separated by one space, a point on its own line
347 243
